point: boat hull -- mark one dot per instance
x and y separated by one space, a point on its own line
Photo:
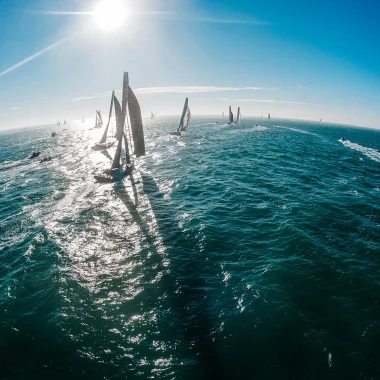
109 179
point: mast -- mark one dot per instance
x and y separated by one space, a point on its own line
124 112
185 107
104 137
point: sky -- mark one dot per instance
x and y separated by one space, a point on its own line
294 59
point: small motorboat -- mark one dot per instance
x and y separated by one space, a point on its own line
34 155
45 159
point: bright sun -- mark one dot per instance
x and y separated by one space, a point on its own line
110 14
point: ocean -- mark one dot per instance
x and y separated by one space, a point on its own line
249 251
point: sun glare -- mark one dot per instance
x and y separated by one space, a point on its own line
110 14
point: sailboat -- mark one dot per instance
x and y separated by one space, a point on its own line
223 114
238 117
107 139
99 120
83 119
64 122
185 119
268 116
58 123
152 116
231 117
133 131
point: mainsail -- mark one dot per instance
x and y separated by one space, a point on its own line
104 137
238 116
231 117
136 124
185 118
118 116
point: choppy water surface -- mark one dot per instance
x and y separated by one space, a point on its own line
233 252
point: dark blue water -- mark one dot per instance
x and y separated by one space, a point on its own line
232 252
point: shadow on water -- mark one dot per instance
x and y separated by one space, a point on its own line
184 284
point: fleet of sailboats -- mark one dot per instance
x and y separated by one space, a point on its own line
185 119
130 134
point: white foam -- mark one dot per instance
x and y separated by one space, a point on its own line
296 130
371 153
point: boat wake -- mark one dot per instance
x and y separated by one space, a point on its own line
296 130
371 153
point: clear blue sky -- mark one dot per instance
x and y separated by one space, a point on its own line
307 59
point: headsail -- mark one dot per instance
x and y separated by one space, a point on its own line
104 137
185 117
238 116
116 159
136 124
118 116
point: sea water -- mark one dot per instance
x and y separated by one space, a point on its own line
246 251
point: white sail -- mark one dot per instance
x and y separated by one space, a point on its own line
185 118
238 117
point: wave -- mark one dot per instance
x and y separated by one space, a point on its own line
371 153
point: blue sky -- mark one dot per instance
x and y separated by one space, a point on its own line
293 59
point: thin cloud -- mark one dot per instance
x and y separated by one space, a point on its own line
14 108
34 56
177 90
301 87
256 101
372 113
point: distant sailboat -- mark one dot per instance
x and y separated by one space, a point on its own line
83 119
185 119
58 123
231 117
268 116
107 141
223 114
99 120
136 141
64 122
261 115
152 116
320 121
238 116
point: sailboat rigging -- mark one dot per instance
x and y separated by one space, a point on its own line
99 120
185 119
124 129
230 117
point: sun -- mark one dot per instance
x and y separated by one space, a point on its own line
110 14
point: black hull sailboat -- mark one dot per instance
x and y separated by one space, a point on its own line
185 119
134 129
